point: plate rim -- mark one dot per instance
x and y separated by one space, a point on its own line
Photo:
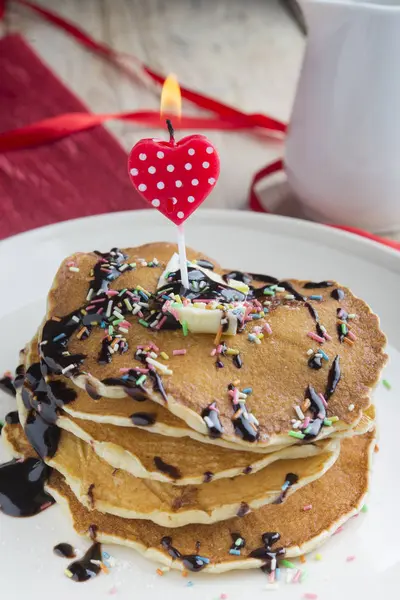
387 256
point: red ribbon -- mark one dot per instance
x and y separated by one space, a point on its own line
228 117
42 132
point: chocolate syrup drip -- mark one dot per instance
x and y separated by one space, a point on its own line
208 476
237 361
194 562
333 377
271 537
42 436
313 285
142 419
244 509
138 393
85 568
238 542
191 562
244 427
312 311
91 391
166 543
247 470
267 553
289 287
213 423
201 286
317 406
12 418
337 294
170 470
19 376
64 550
290 479
22 488
219 364
247 278
206 264
90 494
158 385
7 385
315 362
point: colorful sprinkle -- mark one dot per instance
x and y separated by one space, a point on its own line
297 576
307 507
185 327
143 322
350 558
234 551
318 557
74 270
386 384
310 596
316 337
364 508
141 380
247 390
351 407
297 434
324 355
316 297
180 352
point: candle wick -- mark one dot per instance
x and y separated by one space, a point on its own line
171 131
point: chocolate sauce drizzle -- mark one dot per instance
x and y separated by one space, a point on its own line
313 285
143 419
244 509
191 562
211 418
88 566
170 470
7 385
337 294
334 376
22 487
64 550
266 553
207 477
290 479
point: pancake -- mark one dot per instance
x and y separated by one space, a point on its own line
98 485
334 498
124 411
277 369
148 455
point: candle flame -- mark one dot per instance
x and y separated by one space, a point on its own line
171 101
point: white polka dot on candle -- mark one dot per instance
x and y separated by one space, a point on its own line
174 200
209 150
134 172
206 165
160 154
178 183
180 215
161 185
190 198
142 156
155 202
188 166
211 181
142 187
170 168
191 151
195 182
151 170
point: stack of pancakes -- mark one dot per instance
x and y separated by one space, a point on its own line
200 426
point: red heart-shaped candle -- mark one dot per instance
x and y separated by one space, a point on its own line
174 177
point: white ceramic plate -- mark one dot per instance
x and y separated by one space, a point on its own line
274 245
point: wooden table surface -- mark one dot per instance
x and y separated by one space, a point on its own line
247 54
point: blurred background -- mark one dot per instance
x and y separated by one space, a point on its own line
246 54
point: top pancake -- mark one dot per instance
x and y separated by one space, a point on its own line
276 369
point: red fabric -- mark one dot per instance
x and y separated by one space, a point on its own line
74 177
